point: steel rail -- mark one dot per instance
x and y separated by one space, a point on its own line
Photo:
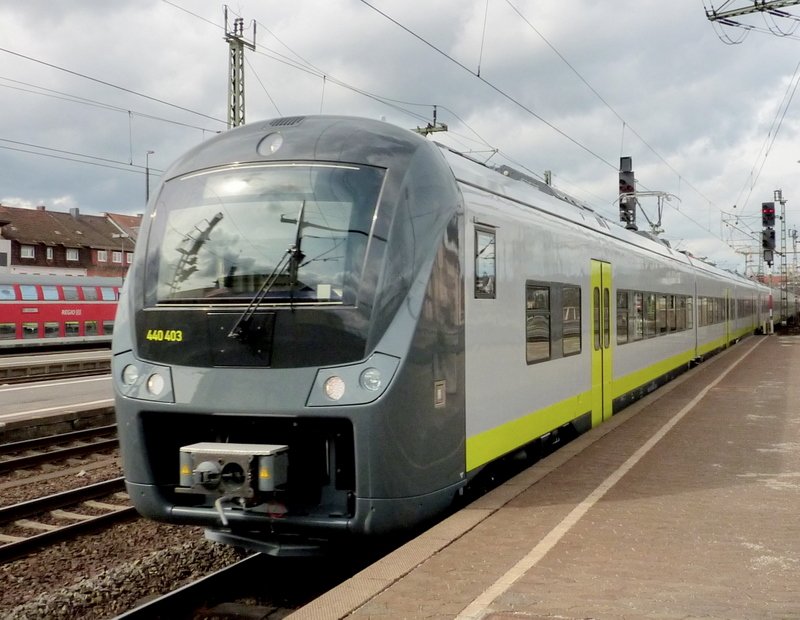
49 440
181 602
18 548
21 462
60 500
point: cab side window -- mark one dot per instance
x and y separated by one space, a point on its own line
485 266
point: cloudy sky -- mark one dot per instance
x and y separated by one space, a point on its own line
88 87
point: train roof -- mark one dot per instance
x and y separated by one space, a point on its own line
524 189
68 280
373 142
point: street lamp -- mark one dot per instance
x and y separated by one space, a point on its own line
121 237
147 176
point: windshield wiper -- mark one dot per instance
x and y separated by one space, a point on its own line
291 261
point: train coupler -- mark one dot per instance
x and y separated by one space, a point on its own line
232 470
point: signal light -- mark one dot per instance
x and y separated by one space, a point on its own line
768 214
627 193
768 239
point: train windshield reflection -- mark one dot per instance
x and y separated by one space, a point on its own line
220 235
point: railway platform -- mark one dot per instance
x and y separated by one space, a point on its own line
684 505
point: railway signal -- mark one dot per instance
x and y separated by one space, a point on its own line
768 239
627 193
768 214
768 232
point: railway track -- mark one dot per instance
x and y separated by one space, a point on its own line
258 586
34 452
45 521
45 371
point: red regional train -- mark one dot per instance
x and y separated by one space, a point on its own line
56 311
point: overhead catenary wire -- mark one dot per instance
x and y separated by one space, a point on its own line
493 86
772 134
536 115
110 85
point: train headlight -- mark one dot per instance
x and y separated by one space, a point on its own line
130 374
135 378
155 384
334 387
353 384
371 379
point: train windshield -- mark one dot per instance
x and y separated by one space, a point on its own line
289 233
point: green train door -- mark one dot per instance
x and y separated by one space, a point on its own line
600 301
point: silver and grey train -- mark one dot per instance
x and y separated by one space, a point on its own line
332 324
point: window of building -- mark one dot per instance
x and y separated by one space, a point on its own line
49 252
116 257
89 293
49 292
51 330
571 338
129 257
102 256
30 330
29 292
485 267
70 293
27 251
537 323
72 254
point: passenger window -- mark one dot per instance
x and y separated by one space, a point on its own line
90 328
650 315
680 313
30 330
661 315
29 292
70 293
537 323
622 317
51 330
485 267
71 328
638 316
671 313
49 292
108 327
571 339
8 331
7 293
89 293
107 293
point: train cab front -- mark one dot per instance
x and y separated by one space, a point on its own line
267 317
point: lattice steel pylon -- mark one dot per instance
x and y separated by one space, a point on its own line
236 45
756 6
784 256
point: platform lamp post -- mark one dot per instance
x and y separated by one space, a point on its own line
121 237
147 176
